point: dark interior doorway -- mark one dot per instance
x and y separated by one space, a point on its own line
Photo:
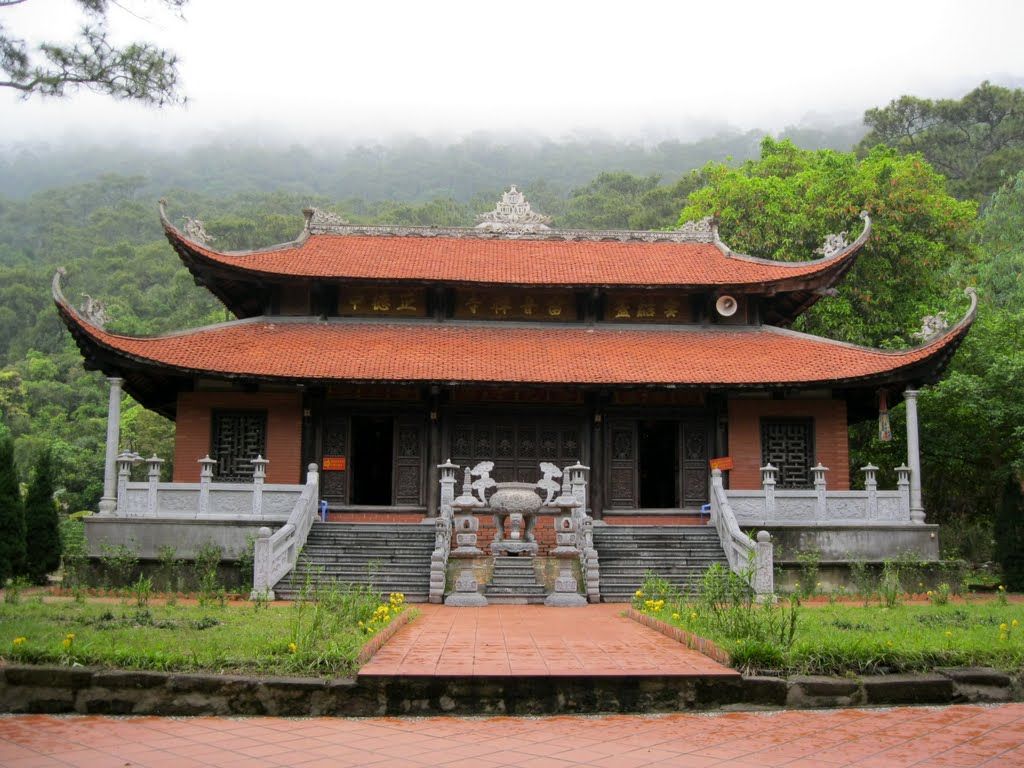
659 464
371 461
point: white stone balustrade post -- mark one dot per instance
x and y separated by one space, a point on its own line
820 487
903 486
768 475
154 463
261 566
764 573
871 486
259 476
577 474
206 465
447 481
913 457
108 503
125 461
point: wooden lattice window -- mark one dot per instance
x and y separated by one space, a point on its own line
238 437
788 444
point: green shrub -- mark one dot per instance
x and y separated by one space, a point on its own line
890 589
939 595
810 561
74 559
1009 534
863 579
119 563
42 535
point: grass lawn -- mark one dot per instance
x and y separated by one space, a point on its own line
838 639
320 638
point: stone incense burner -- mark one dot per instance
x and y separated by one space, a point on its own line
519 503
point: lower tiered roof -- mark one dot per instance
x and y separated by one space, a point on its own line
303 350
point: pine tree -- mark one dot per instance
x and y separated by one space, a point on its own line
1009 533
12 518
42 537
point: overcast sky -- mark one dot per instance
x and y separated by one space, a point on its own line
305 70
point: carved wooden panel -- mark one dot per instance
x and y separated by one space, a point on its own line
621 452
695 454
789 445
648 308
516 448
335 442
238 437
515 304
376 301
409 459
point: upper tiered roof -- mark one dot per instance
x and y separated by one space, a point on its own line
513 246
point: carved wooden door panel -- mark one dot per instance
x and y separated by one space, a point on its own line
334 444
693 449
409 459
621 452
516 448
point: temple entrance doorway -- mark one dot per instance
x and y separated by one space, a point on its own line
658 446
372 455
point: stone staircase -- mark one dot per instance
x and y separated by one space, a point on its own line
679 553
514 581
388 557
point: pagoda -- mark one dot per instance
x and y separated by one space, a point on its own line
381 353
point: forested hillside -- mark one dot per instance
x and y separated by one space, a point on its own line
942 223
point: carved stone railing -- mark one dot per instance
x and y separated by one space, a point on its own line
206 499
752 560
871 506
442 533
275 554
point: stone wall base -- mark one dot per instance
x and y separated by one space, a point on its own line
37 689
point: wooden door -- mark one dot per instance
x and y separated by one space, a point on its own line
693 451
409 449
621 460
334 444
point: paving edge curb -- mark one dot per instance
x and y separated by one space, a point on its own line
375 643
690 640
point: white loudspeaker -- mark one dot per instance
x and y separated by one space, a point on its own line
726 306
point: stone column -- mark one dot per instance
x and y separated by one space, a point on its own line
124 469
820 489
259 477
764 573
913 457
154 463
903 486
871 486
206 465
768 481
108 504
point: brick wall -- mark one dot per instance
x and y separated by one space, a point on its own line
284 431
831 444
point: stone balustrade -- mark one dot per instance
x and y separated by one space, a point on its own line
754 560
206 499
772 505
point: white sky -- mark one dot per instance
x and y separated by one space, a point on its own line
304 70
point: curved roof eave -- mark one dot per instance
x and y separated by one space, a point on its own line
816 273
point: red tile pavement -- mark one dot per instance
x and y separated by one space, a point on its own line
503 640
963 736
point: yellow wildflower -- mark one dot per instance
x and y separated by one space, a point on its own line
693 616
639 593
18 641
1003 627
1014 623
949 633
675 616
292 647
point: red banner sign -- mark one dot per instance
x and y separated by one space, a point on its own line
723 463
334 463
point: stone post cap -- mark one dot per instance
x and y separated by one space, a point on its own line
769 467
903 468
869 468
264 532
259 461
154 459
819 467
207 461
448 465
312 468
578 467
716 473
763 537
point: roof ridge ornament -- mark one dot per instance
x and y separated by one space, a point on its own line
196 231
321 222
697 228
513 216
834 243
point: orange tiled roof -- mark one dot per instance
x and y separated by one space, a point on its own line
338 350
522 261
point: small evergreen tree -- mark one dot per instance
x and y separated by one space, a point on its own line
1009 533
42 535
12 518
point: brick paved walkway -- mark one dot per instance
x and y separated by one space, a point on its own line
499 640
961 736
